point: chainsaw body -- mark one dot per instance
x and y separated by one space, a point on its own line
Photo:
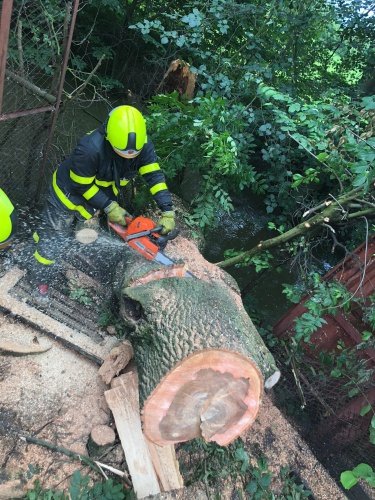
144 237
139 234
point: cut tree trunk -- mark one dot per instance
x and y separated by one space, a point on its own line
201 362
101 438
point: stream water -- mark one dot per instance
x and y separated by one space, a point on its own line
241 230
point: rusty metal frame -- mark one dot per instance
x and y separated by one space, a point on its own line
6 14
5 20
26 112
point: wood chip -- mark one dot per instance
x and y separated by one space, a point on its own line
116 361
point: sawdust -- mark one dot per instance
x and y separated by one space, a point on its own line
56 396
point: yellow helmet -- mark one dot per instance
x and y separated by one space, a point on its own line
126 131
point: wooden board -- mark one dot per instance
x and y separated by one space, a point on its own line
166 466
123 401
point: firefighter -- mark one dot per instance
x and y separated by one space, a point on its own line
7 220
103 161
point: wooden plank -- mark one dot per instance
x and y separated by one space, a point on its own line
166 466
123 401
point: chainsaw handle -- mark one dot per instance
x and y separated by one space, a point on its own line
163 239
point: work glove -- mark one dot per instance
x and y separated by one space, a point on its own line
167 221
117 214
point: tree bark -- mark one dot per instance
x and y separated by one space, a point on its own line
201 362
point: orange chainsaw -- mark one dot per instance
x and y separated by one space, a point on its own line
144 236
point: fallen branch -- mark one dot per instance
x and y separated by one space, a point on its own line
60 449
94 465
30 86
332 213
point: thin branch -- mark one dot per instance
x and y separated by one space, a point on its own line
365 202
360 138
30 86
315 209
60 449
118 472
76 92
361 213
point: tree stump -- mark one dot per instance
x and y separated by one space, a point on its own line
201 362
101 438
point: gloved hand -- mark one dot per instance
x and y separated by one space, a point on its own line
167 221
117 214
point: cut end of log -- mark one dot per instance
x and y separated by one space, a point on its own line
214 394
86 236
103 435
173 271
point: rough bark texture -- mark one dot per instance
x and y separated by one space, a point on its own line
201 361
181 316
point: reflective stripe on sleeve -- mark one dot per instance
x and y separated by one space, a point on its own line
149 168
43 260
123 182
158 187
65 201
103 183
79 179
91 192
36 237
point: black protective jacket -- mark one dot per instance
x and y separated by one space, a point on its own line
90 178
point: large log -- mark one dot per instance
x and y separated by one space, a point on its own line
202 364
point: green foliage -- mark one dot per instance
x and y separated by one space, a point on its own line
325 298
209 137
213 463
81 295
108 318
260 261
81 489
350 478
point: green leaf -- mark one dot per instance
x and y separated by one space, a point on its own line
362 470
322 156
365 410
348 479
368 103
371 481
353 392
252 487
336 373
366 335
294 107
265 481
